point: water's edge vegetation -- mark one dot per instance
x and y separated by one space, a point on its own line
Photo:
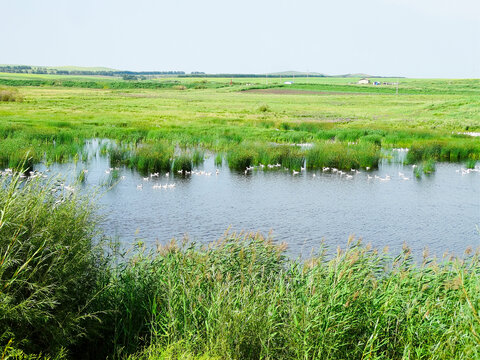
67 291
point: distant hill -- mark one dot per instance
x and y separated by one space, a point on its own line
296 73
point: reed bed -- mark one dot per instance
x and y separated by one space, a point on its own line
252 154
67 294
343 156
444 150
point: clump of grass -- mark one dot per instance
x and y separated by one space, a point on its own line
249 154
10 95
264 108
470 164
241 157
118 155
418 171
149 158
198 157
218 159
428 167
183 162
82 176
343 156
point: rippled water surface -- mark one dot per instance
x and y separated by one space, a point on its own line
441 211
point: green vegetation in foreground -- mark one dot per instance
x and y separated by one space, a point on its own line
65 293
59 113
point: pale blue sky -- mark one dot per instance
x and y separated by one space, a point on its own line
414 38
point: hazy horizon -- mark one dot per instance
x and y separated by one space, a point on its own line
407 38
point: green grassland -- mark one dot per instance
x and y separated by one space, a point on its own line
218 115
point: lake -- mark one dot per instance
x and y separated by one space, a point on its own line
440 211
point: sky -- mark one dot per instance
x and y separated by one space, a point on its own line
412 38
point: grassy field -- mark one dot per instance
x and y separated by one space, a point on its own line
212 114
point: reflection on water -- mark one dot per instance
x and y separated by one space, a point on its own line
386 207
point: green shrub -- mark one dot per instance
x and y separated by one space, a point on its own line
50 267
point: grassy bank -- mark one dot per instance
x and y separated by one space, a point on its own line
66 293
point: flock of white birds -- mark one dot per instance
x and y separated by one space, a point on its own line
154 177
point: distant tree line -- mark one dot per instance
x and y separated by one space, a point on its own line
194 74
25 69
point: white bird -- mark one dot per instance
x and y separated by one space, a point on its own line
295 172
140 186
167 174
314 175
367 168
145 179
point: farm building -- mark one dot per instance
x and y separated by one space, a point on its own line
363 81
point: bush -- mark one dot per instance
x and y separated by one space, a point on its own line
10 95
50 267
263 108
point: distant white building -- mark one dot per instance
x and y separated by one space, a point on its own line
363 81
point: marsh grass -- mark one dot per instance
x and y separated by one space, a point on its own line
183 162
198 157
81 176
343 156
454 150
152 157
241 298
418 171
428 167
470 164
251 154
218 161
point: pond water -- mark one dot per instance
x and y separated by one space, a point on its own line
440 211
